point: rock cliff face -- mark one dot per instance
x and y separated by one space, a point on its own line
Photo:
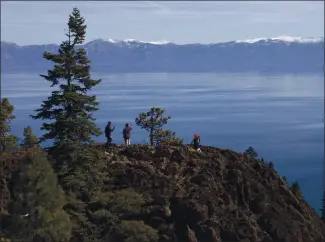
217 196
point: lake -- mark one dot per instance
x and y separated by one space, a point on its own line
281 116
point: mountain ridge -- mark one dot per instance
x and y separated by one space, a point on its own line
283 38
282 54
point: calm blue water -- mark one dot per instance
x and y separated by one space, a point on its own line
280 116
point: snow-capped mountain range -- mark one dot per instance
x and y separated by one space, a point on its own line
279 54
284 39
130 41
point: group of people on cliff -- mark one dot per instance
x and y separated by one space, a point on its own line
127 136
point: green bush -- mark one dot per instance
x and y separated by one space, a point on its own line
125 201
166 137
37 203
284 178
131 231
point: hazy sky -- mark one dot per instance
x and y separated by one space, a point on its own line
26 22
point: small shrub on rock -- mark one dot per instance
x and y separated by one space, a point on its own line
284 178
130 231
271 165
167 137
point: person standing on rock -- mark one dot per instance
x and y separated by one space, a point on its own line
196 143
108 133
127 134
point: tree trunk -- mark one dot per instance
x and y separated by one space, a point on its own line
151 136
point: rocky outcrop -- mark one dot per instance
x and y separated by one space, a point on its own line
217 196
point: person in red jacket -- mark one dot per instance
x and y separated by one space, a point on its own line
196 143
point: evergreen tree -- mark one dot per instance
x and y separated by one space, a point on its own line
8 142
30 140
251 152
70 107
323 207
271 165
284 178
37 203
295 188
153 121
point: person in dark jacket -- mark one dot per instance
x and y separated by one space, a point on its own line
108 133
127 134
196 143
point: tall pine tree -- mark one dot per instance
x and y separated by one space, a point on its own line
8 142
70 107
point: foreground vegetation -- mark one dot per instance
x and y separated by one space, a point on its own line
76 190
